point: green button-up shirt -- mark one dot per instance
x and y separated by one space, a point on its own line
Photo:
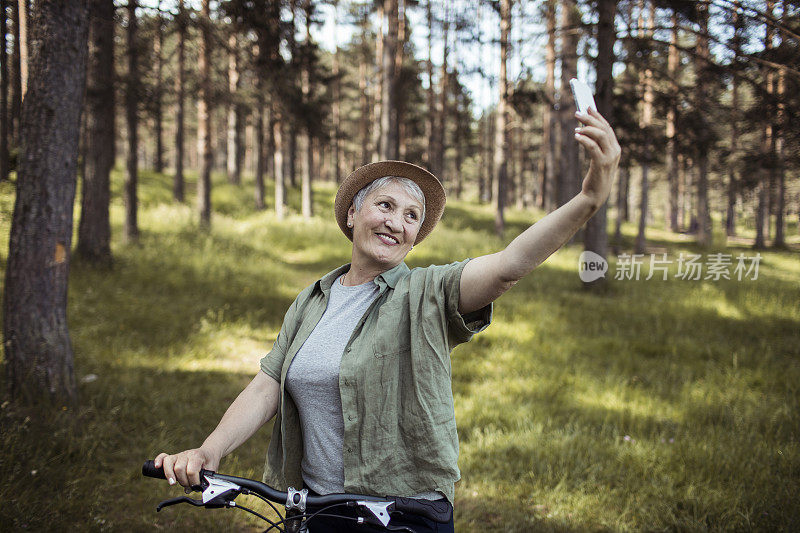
400 434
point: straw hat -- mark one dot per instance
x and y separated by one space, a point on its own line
363 176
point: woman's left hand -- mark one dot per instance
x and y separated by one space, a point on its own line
601 144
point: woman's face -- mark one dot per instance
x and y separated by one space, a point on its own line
386 226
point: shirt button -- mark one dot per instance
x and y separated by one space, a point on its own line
347 382
350 417
349 450
349 349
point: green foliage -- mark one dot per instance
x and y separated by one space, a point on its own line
659 405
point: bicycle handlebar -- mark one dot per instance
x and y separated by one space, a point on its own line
438 511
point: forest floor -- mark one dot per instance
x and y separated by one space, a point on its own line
654 405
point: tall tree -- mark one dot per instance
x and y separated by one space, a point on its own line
16 76
204 146
569 179
307 201
780 133
131 227
547 163
158 89
180 89
38 351
703 61
336 100
389 141
502 140
3 94
645 121
596 237
733 182
673 61
762 188
94 231
380 78
235 144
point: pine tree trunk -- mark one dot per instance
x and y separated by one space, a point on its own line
178 187
389 140
730 215
157 94
430 122
204 149
336 104
501 129
780 126
595 238
277 135
377 133
441 126
548 158
233 163
131 227
15 77
261 155
94 231
645 121
365 117
306 200
569 179
703 211
24 42
671 157
38 351
3 95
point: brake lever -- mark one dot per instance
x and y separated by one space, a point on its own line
176 501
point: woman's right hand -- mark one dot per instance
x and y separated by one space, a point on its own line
184 467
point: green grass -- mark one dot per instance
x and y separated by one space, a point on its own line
657 405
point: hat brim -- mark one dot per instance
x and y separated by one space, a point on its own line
435 198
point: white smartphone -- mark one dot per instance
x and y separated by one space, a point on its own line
583 96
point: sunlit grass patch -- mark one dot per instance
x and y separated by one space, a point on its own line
654 405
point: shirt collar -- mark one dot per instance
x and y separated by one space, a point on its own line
384 279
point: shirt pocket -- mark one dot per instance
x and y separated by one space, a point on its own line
392 334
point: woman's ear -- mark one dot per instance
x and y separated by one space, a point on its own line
350 214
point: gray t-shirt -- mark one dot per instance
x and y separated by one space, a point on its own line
313 382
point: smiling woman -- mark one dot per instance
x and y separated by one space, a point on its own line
358 379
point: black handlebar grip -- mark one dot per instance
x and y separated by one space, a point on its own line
438 511
149 470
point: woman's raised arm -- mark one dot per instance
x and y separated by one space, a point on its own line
486 277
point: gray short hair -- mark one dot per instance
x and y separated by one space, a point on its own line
410 187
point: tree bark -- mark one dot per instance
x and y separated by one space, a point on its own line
430 122
595 238
15 78
159 91
234 131
547 163
377 133
24 40
364 119
442 111
673 61
94 230
277 135
306 193
704 229
261 156
180 82
38 351
389 140
3 95
501 139
569 179
204 148
336 104
645 121
131 228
